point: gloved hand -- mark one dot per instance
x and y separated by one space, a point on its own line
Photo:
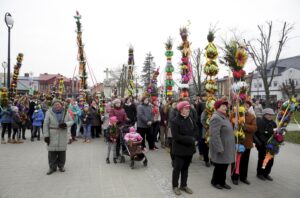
47 140
62 125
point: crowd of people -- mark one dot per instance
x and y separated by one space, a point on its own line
178 126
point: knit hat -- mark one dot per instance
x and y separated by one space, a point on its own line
86 105
57 101
14 108
113 119
220 102
183 104
131 129
268 111
116 101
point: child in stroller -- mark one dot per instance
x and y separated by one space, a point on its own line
134 141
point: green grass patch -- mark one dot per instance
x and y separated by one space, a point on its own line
296 116
293 137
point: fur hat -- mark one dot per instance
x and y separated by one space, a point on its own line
268 111
115 101
57 101
183 104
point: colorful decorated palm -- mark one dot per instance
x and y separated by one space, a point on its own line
283 118
185 66
169 83
14 83
211 70
81 56
131 87
236 58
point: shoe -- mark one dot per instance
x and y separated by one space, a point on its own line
32 139
145 162
70 141
107 161
245 181
176 191
13 141
19 141
3 141
132 164
62 169
268 177
186 189
226 186
84 141
261 177
235 182
88 141
145 150
115 160
38 139
24 138
9 141
50 171
218 186
207 164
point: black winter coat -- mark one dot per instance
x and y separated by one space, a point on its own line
183 136
265 129
130 112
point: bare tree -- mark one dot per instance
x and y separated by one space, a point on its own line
261 53
197 69
289 88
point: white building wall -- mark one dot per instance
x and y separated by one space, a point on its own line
257 88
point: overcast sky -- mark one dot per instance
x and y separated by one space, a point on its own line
44 30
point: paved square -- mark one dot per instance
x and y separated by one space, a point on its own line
23 170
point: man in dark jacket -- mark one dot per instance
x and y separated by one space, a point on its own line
265 129
182 128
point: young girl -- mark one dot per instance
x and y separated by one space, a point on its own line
111 135
86 120
37 122
15 123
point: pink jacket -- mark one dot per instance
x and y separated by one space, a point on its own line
133 136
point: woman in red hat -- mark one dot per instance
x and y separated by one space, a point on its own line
221 144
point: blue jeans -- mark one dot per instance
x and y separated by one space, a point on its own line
86 131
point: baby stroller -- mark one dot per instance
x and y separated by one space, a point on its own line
132 149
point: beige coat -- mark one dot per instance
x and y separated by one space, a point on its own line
58 137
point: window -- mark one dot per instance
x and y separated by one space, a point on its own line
255 85
275 83
260 85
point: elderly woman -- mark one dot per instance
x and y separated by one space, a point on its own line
56 123
265 129
221 144
183 132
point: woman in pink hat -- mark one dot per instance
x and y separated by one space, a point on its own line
183 146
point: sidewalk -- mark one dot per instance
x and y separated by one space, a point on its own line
23 170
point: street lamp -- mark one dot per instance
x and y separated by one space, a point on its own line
4 65
9 23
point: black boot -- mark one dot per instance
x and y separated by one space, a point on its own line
145 162
107 161
115 160
132 164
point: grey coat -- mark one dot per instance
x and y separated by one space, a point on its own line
221 144
144 115
58 137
